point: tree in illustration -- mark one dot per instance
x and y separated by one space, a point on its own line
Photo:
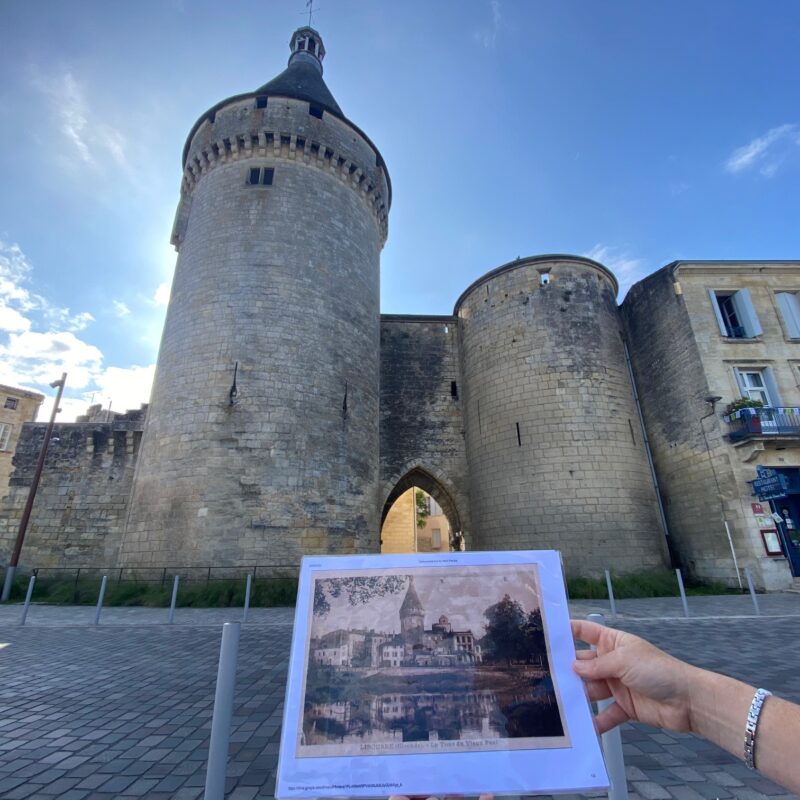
504 639
358 590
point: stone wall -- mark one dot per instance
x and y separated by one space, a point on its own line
422 439
82 500
555 449
397 531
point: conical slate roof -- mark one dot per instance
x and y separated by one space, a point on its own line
302 81
411 603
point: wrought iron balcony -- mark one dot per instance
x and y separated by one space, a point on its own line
755 423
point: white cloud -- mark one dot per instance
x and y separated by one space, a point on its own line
625 267
38 342
120 309
161 295
21 302
92 142
487 36
12 320
767 152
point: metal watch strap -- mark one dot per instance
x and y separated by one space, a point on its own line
750 727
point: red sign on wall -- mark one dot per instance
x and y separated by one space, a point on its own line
757 508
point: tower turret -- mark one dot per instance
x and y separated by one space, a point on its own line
412 617
281 220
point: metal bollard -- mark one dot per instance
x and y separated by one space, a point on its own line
223 712
752 590
683 593
175 583
611 595
247 597
612 745
100 599
27 605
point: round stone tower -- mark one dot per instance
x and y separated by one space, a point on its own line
261 441
554 443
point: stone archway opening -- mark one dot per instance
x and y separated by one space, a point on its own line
419 516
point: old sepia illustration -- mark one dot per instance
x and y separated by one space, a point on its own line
428 660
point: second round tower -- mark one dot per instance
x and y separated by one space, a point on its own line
554 444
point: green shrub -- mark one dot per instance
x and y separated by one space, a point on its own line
266 592
662 583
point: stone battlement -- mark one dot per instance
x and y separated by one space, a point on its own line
285 131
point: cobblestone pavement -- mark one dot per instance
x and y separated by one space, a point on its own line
124 709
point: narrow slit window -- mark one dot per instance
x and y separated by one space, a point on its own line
261 102
266 176
454 390
255 176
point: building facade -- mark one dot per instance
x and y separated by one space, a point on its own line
288 414
17 406
704 336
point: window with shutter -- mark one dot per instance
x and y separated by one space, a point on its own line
789 305
735 313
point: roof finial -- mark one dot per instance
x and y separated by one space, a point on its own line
310 7
306 45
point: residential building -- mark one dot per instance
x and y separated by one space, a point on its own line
17 406
705 336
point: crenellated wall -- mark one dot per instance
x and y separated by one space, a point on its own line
284 131
82 500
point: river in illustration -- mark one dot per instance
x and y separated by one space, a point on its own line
529 712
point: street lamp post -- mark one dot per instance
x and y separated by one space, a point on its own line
11 569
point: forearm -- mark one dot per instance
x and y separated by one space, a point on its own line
719 707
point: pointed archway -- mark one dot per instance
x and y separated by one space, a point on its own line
419 478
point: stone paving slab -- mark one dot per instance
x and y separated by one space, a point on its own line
124 709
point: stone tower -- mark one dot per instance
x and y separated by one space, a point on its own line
553 439
261 442
412 618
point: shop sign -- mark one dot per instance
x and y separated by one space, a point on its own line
770 484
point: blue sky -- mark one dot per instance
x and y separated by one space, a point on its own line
633 132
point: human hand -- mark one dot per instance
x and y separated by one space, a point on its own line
647 684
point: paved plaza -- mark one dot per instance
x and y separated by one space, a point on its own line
124 709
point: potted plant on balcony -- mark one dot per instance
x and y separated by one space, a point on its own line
752 421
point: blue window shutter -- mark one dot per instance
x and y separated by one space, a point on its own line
772 388
746 313
790 310
740 382
715 305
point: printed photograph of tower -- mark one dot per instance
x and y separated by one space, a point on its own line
428 660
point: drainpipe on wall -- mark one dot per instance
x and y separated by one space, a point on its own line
661 514
712 413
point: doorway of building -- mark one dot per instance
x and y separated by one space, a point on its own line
789 509
420 517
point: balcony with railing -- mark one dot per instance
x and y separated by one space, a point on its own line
759 423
